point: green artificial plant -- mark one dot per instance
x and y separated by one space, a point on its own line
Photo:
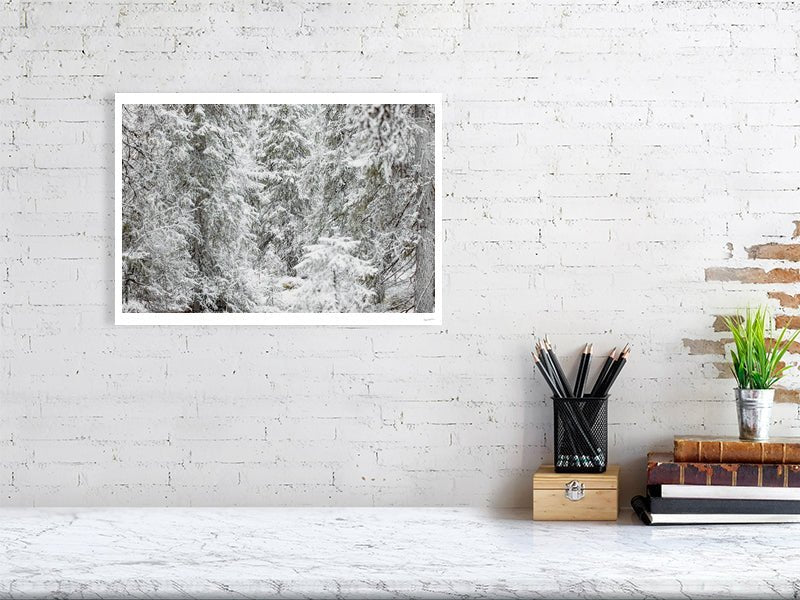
756 358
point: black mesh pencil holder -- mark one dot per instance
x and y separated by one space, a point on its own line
581 435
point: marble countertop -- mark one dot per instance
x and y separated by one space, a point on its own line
382 553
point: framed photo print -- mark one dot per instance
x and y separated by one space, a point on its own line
278 209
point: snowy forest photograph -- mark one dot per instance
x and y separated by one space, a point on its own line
317 206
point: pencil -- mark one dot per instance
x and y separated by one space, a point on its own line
598 383
545 368
606 381
547 360
583 369
545 374
559 371
612 376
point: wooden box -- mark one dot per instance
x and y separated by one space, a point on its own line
575 496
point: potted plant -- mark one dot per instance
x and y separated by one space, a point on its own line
756 364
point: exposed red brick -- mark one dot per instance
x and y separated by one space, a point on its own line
711 347
780 322
719 322
782 395
787 300
753 275
790 321
794 347
775 251
796 229
723 370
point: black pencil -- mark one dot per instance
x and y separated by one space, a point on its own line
559 371
598 383
607 379
579 372
583 369
545 374
544 366
614 373
547 361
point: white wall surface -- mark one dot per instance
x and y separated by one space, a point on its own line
598 158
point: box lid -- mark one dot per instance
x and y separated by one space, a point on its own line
547 479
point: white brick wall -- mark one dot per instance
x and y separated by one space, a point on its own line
598 157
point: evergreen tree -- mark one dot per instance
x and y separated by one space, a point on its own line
157 269
393 147
332 180
330 278
281 151
217 184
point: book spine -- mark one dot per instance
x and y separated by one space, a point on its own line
744 474
639 505
735 451
710 506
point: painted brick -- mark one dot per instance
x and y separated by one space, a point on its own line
607 168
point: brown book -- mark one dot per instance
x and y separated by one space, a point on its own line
663 469
779 451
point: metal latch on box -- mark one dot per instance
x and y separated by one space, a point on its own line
573 490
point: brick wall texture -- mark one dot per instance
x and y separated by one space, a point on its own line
613 172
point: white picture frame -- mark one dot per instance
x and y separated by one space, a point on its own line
278 318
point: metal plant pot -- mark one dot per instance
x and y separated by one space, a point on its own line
754 409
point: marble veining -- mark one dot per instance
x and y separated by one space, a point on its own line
382 553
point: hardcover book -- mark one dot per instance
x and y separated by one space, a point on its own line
641 506
733 450
712 506
662 468
723 492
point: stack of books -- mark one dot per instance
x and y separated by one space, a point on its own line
722 480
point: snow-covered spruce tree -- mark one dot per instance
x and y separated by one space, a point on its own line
393 207
333 183
330 278
157 270
218 183
281 150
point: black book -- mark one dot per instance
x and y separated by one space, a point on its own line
713 506
642 505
